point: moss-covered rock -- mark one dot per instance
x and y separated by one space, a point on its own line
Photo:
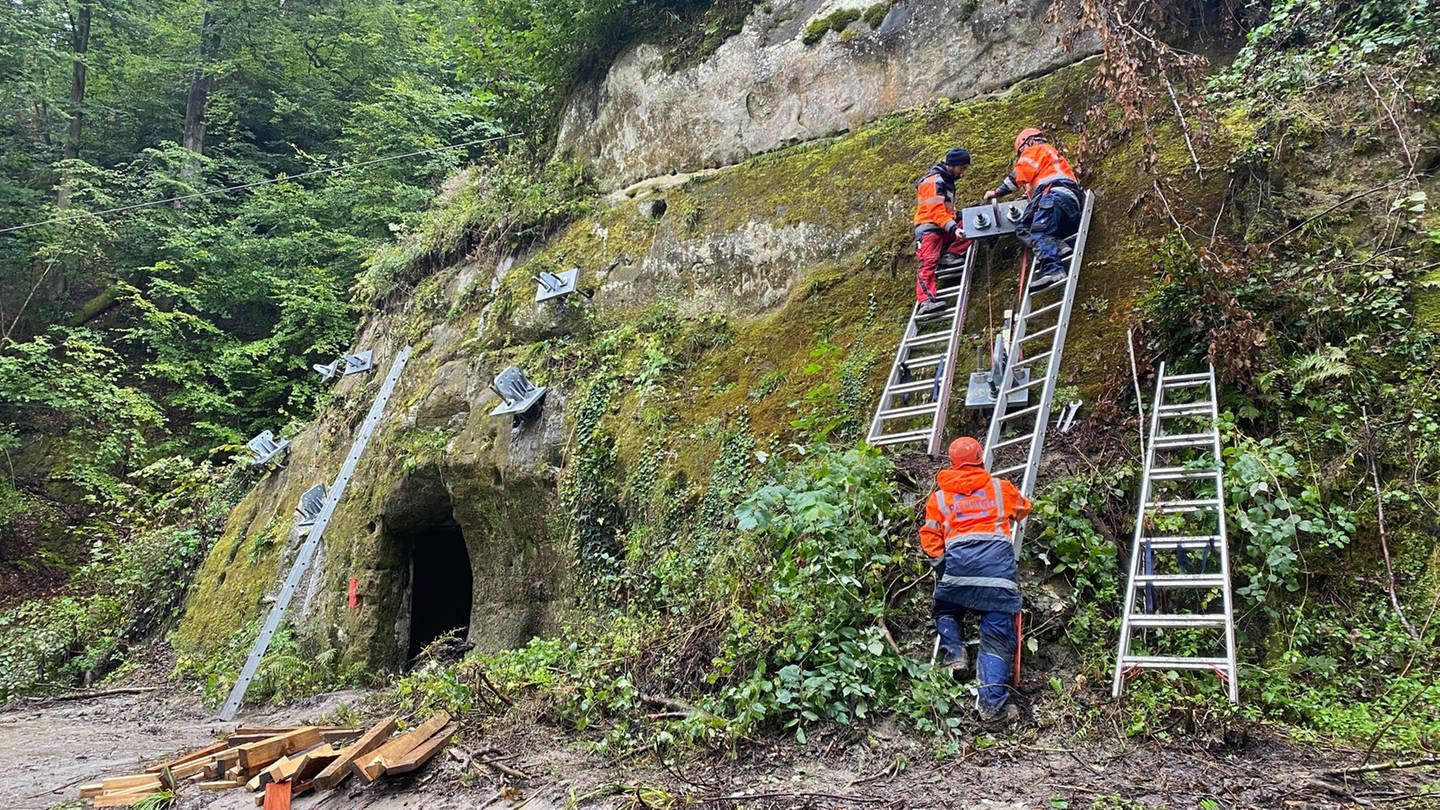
758 303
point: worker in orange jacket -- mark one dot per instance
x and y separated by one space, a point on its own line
937 233
1053 213
967 530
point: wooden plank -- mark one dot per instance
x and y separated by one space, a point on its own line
123 798
203 765
115 783
274 731
371 766
311 763
190 757
218 784
256 755
373 738
277 796
423 752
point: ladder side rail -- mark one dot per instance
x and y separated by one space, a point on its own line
947 376
1128 609
1052 366
877 423
307 551
1002 396
1233 686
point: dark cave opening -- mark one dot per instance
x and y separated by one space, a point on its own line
441 585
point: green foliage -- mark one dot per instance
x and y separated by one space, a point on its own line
504 207
291 668
131 587
1282 514
777 625
837 20
1063 536
875 14
1301 43
69 384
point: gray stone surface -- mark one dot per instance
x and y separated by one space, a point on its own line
765 88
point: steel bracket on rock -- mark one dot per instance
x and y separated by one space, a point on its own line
554 285
265 448
346 365
309 507
992 219
519 394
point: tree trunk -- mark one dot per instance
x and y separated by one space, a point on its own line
79 47
198 97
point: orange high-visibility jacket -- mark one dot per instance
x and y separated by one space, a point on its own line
935 201
1038 166
969 501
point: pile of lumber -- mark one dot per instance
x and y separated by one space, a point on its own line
285 762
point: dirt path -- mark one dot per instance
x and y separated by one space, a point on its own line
47 751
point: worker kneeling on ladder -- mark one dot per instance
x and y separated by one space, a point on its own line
967 529
1053 213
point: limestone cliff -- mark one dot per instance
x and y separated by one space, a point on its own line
769 87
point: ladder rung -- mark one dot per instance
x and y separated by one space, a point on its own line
1012 442
1178 620
1176 440
1014 468
924 409
1185 409
1180 580
1180 474
1035 379
927 340
1037 358
1187 542
1041 311
1169 662
1022 412
910 387
901 438
1191 505
1049 330
925 362
1186 379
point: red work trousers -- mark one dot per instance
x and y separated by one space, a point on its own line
928 248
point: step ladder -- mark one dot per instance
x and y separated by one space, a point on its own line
317 531
1179 557
917 393
1016 436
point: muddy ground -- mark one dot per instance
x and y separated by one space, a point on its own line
49 748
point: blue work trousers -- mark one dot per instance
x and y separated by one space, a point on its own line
998 641
1052 216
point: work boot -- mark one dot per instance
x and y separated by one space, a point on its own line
1002 717
957 662
930 306
1048 279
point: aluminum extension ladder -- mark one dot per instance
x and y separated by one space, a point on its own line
1016 436
917 393
312 542
1181 515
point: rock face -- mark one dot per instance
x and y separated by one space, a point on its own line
766 87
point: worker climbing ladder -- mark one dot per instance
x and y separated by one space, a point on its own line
312 542
1016 436
1177 601
917 393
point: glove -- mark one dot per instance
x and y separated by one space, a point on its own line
990 195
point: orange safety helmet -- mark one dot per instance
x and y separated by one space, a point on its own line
966 452
1025 135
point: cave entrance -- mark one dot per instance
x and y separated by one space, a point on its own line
441 585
